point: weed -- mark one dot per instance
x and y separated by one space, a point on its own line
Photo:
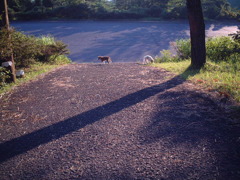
31 73
218 76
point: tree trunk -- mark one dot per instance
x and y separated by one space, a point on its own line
197 33
6 21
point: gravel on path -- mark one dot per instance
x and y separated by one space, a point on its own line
115 121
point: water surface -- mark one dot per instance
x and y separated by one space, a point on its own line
124 41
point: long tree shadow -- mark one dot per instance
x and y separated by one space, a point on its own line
190 120
30 141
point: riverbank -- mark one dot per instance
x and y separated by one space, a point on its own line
31 73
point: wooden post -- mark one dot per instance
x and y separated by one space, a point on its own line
13 71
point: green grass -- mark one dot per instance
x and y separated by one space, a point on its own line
30 74
222 77
47 40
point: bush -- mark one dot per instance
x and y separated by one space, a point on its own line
4 75
61 59
217 49
221 48
50 49
167 56
29 49
25 49
154 11
183 48
80 11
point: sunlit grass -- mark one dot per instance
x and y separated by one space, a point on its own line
215 76
31 73
47 40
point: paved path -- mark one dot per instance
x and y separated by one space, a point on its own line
117 121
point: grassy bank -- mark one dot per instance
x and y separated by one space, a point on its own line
214 76
33 55
221 73
31 73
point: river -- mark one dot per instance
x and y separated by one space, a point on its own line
124 41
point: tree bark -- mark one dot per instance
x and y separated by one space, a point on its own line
7 25
197 33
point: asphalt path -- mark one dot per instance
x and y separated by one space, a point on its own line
121 121
124 41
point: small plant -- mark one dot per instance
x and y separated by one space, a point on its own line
236 36
50 49
167 56
183 48
4 75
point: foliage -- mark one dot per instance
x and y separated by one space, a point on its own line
183 48
236 36
221 48
222 77
29 53
30 73
235 3
83 10
4 75
29 49
116 9
167 56
222 70
49 49
217 49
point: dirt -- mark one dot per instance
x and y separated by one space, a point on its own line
115 121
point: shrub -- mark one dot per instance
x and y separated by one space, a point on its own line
50 49
25 49
4 75
29 49
167 56
236 36
220 48
217 48
154 11
183 48
61 59
79 11
5 50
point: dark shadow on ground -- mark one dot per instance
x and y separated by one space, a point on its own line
188 118
29 141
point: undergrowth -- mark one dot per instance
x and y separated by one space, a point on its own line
213 76
31 73
34 55
221 72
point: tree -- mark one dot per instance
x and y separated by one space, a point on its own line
38 3
47 3
5 24
197 33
